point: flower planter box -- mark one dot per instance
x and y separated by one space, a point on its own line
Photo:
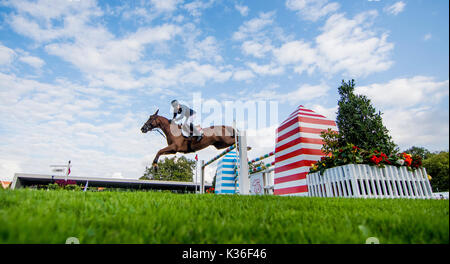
364 181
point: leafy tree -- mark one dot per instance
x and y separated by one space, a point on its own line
331 141
437 166
359 123
421 151
171 169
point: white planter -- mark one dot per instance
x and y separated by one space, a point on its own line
364 181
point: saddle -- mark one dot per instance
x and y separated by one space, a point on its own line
186 134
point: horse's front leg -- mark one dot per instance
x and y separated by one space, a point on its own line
171 149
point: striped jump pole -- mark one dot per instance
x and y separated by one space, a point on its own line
262 157
262 167
242 170
230 148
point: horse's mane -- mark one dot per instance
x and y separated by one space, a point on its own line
167 119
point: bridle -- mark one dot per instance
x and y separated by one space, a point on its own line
152 128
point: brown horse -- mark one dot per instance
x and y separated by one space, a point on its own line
218 136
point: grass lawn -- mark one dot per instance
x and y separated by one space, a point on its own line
38 216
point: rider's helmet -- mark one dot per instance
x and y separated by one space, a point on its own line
174 103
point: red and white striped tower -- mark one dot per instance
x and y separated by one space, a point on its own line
298 146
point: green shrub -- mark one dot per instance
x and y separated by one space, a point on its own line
359 123
53 186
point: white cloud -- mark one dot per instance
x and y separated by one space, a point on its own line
254 26
411 110
256 49
112 61
36 19
350 45
345 45
103 58
427 36
266 69
299 53
8 168
312 9
7 55
328 112
33 61
302 94
187 73
196 7
262 141
305 92
111 54
406 92
207 49
50 120
243 10
148 10
165 5
243 75
423 126
396 8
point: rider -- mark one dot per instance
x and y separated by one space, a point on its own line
184 111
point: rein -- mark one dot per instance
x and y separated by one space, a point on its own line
159 131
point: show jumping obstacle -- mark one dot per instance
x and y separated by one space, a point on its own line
230 172
298 146
239 166
261 177
364 181
226 174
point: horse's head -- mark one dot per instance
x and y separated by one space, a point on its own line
152 122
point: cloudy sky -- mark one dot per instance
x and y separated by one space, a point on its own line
78 78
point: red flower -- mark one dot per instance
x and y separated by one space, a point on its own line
340 150
375 159
408 161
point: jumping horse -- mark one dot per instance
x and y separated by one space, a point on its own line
218 136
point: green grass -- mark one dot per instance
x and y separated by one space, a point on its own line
36 216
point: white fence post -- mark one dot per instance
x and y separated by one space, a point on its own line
244 185
362 180
427 183
202 178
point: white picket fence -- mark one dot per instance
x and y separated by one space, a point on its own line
364 181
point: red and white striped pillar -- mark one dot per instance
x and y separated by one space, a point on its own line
298 146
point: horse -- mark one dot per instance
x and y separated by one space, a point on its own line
218 136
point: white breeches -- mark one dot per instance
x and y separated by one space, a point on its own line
188 124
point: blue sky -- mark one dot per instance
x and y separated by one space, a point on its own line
78 78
